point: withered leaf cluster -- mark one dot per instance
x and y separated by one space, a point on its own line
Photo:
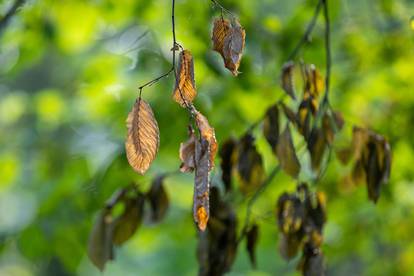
143 136
197 154
112 228
217 246
301 216
228 39
372 155
185 89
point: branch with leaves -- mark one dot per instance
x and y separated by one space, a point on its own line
300 214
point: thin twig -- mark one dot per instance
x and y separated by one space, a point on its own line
306 36
328 51
215 2
6 18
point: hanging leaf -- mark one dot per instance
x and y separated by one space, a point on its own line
248 165
286 154
207 133
304 118
100 247
221 29
252 238
201 183
226 154
229 39
314 82
158 199
271 126
128 222
217 245
312 263
287 79
316 147
331 124
143 137
185 90
187 151
289 245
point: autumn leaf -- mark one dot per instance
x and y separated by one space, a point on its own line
248 165
271 126
314 82
143 137
201 207
316 146
287 79
289 113
100 246
128 222
207 133
158 199
331 124
229 39
286 154
185 90
187 151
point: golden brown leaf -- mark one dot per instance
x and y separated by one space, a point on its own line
185 90
229 39
286 154
143 137
207 132
220 31
187 151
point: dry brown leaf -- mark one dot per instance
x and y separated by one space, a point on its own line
207 132
143 138
316 147
226 152
229 40
286 154
287 79
201 208
187 151
271 126
158 199
185 90
220 31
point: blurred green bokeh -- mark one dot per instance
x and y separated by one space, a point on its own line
69 70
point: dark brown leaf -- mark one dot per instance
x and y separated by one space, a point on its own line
128 222
100 247
248 165
316 147
158 199
286 154
201 207
251 242
185 90
312 264
187 151
271 126
331 124
143 137
226 155
289 245
287 79
217 245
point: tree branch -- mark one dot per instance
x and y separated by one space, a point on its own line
306 36
6 18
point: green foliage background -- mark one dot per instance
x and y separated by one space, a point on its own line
69 70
